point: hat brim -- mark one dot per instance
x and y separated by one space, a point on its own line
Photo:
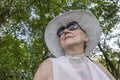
86 20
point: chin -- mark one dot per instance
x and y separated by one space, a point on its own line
69 43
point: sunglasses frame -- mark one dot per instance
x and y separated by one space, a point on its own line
70 26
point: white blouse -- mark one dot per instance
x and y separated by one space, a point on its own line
76 68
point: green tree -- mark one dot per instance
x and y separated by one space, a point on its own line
22 24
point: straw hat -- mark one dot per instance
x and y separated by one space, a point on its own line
86 20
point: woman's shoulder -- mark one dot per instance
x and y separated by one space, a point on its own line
43 71
104 70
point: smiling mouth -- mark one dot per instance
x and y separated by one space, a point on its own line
68 37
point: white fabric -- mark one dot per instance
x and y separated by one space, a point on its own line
65 69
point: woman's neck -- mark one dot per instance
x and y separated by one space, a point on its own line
74 50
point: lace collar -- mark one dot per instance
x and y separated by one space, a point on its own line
76 58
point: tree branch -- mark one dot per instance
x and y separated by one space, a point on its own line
114 71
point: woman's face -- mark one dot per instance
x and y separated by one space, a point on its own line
73 37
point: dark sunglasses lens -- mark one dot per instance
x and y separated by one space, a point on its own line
73 26
60 31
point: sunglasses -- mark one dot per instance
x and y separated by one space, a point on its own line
70 26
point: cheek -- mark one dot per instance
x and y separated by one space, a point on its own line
80 35
61 42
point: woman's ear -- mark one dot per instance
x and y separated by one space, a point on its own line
86 39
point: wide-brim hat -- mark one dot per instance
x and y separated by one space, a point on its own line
86 20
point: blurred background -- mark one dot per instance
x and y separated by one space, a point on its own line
22 25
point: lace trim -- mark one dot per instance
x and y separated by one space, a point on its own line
76 58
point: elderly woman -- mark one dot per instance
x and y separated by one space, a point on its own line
71 37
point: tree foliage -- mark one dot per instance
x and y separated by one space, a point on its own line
22 24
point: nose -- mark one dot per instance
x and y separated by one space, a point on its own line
66 31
